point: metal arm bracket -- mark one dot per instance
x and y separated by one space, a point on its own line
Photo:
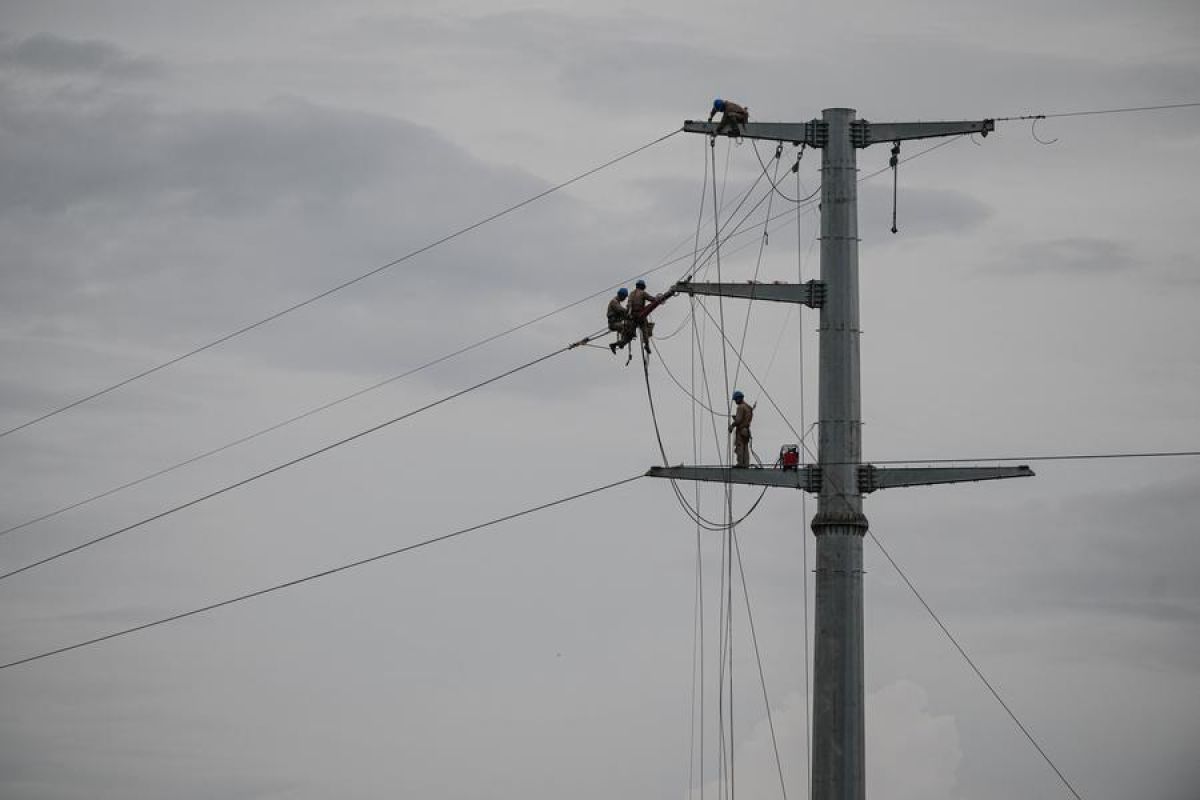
865 134
871 478
814 133
807 478
811 294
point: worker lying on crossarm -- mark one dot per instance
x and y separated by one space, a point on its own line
740 427
619 320
639 299
732 115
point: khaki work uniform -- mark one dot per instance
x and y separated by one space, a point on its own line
741 428
618 320
731 117
638 300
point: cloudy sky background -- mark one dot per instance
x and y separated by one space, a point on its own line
172 172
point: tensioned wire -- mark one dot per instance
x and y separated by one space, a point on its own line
292 462
343 285
317 575
286 464
455 234
669 261
737 231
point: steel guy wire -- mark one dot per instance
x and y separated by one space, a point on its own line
841 492
317 575
326 293
971 663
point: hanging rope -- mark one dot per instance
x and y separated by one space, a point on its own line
894 163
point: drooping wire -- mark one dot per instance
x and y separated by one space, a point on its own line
317 575
696 401
698 631
290 463
795 168
727 547
762 246
343 285
762 677
803 498
694 514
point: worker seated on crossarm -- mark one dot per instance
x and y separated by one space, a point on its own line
639 299
732 115
740 428
619 320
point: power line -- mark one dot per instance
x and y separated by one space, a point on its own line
1094 112
286 464
1060 457
669 261
338 287
324 573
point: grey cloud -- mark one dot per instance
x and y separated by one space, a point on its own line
920 212
55 55
1091 256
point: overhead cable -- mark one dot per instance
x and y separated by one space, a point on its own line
1051 457
340 286
669 261
291 462
1095 112
322 574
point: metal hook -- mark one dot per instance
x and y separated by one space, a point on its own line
1033 131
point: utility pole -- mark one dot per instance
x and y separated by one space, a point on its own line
839 477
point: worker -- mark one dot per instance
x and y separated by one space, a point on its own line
619 320
740 427
639 298
732 115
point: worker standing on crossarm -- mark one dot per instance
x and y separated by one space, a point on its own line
740 428
619 320
639 298
732 115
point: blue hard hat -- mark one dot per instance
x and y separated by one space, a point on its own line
622 293
640 284
719 104
738 396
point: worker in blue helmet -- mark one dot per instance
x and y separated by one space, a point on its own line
740 428
619 320
732 115
639 299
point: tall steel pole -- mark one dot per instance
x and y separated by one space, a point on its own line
838 755
839 477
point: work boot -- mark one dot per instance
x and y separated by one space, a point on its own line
613 347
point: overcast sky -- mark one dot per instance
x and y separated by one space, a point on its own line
171 172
